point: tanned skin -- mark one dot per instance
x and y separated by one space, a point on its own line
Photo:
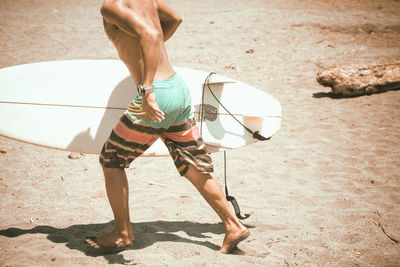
138 29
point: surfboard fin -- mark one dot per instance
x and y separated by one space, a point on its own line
207 83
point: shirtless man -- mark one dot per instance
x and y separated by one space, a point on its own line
138 30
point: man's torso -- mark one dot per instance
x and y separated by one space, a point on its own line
128 46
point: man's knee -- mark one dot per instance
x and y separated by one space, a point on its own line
110 171
193 174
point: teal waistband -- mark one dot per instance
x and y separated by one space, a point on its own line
165 81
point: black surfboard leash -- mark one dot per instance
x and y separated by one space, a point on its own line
255 135
231 198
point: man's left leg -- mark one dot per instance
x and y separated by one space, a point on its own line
188 150
210 189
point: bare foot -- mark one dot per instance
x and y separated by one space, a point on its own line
111 240
232 239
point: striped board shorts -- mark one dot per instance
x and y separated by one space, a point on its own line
134 133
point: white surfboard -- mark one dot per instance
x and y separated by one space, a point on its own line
74 104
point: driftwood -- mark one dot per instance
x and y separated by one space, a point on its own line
355 80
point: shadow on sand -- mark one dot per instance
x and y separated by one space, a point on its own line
119 100
146 234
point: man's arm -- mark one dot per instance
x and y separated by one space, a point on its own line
137 21
138 24
169 19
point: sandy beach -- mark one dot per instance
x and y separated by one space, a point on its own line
324 191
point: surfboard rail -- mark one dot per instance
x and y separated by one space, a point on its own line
72 105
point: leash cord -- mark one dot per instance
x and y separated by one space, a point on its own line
231 198
255 135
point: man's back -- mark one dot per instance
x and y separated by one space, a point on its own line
144 15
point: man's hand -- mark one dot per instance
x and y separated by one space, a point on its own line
151 107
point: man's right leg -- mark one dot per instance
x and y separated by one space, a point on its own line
128 140
118 195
